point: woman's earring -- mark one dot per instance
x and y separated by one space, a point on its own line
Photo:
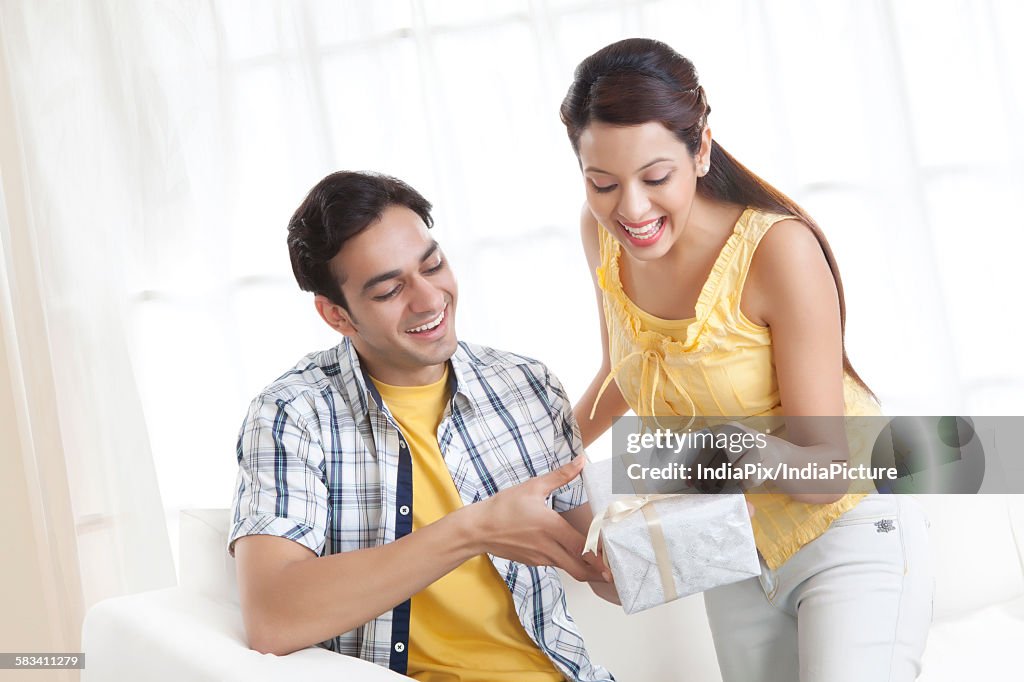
706 168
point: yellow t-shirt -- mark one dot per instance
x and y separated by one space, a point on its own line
463 627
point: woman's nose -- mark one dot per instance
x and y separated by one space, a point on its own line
633 203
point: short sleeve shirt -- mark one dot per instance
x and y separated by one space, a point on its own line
322 462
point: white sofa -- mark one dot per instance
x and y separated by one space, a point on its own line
194 631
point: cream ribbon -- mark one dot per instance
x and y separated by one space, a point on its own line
650 372
620 509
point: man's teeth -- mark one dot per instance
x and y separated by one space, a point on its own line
429 325
647 231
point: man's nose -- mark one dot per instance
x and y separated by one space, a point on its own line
426 296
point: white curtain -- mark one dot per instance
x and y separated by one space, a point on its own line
72 251
166 144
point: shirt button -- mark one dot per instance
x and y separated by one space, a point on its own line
399 647
404 510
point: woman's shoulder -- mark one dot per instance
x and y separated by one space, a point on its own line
781 240
759 223
590 235
787 261
588 225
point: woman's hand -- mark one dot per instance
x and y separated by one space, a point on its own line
607 589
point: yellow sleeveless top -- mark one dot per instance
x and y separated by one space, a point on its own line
715 364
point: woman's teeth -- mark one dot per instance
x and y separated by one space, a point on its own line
429 325
647 231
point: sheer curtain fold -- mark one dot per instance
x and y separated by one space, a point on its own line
77 144
165 143
41 589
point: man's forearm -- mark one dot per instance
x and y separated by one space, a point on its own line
311 600
291 599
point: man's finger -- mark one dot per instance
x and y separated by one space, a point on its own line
575 566
598 563
562 532
553 480
572 542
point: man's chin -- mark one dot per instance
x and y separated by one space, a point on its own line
448 348
440 352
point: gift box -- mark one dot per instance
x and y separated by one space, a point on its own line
661 547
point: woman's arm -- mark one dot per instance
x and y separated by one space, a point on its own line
612 403
790 289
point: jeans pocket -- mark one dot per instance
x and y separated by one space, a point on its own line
768 579
874 509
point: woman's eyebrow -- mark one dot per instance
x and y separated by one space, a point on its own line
593 169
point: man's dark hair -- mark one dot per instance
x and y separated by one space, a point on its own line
337 209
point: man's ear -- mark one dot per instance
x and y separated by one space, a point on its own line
336 317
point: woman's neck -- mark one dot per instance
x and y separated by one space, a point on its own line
708 227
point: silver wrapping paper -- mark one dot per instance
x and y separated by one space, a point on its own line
709 539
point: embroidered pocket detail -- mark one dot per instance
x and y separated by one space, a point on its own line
885 526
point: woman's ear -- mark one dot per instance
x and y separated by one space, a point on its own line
703 157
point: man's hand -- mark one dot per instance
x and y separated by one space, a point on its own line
284 586
517 524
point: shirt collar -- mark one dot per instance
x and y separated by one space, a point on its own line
462 379
354 382
361 392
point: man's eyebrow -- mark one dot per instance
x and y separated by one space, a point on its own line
434 246
592 169
392 274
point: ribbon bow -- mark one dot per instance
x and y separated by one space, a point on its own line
653 367
619 510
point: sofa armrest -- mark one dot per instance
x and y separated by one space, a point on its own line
175 634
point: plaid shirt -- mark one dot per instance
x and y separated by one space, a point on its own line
321 462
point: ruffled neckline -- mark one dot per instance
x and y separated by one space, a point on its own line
611 281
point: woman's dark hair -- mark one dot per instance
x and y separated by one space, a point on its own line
337 209
638 80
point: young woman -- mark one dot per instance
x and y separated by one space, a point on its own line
721 297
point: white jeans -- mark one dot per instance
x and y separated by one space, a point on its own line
853 605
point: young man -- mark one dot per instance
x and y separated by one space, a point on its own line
403 497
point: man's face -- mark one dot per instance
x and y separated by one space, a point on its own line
401 298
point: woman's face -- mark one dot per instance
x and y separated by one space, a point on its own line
641 182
